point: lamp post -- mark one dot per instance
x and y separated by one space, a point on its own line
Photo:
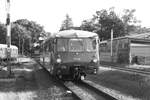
19 44
23 46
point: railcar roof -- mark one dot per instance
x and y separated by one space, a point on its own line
75 33
5 46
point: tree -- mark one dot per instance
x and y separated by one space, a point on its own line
35 29
88 25
27 33
24 34
129 20
2 34
67 23
105 20
20 35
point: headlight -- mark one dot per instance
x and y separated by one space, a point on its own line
95 60
58 60
76 68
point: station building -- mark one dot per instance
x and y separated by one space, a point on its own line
127 50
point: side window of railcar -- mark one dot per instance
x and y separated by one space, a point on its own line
50 46
91 44
62 44
46 47
94 44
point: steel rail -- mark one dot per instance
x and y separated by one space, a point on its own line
137 71
98 94
145 73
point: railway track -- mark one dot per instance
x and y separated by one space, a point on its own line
82 90
86 91
136 71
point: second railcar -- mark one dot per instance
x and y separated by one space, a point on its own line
13 52
70 54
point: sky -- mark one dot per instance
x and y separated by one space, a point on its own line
51 13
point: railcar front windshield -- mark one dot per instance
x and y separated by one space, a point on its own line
76 44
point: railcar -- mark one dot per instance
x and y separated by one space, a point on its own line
35 51
125 50
3 52
70 54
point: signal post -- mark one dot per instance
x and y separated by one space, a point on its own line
8 38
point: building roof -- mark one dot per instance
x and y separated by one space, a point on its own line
141 35
139 44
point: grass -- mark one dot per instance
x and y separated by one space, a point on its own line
21 89
132 84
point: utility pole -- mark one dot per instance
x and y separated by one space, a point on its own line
8 39
112 45
23 46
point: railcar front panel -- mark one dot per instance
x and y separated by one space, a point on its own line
77 57
86 61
